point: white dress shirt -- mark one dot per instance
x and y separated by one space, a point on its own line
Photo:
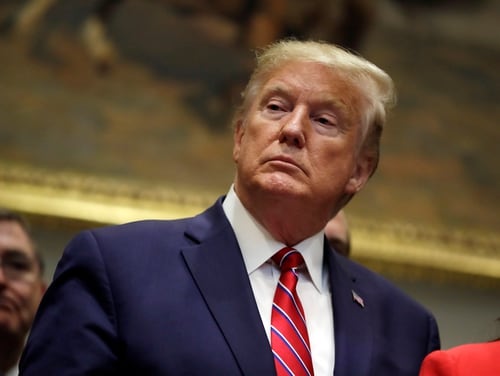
14 371
257 247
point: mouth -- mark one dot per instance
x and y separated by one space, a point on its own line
284 161
6 305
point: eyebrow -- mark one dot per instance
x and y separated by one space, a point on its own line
16 252
328 100
279 90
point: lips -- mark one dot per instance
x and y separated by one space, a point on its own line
284 159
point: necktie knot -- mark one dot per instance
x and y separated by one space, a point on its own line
288 258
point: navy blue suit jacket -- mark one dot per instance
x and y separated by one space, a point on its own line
174 298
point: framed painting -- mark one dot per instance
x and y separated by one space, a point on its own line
144 132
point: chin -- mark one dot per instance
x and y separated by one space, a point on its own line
282 185
5 325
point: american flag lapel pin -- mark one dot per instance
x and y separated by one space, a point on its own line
358 299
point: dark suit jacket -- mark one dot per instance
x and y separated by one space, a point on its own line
174 298
481 359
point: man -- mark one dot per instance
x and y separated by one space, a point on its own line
21 288
200 296
338 235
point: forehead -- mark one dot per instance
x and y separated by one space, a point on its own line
317 82
310 75
14 237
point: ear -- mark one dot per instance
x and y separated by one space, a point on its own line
364 168
239 131
43 287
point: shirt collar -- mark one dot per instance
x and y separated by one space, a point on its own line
258 246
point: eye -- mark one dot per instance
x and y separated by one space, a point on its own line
329 121
21 265
274 107
17 262
324 121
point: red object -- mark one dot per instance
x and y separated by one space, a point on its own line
481 359
289 338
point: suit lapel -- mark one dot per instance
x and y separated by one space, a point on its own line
218 269
352 314
216 264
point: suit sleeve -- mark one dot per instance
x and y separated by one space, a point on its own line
434 340
74 332
437 363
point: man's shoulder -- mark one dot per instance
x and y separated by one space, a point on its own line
161 227
380 287
148 227
116 243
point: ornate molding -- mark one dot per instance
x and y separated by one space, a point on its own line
92 198
435 253
395 248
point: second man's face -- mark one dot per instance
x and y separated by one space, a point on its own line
21 285
301 137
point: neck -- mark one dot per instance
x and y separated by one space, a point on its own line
288 220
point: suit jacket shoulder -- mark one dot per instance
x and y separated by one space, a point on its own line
150 298
392 331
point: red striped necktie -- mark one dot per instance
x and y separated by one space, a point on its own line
289 338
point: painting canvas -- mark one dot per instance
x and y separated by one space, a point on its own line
147 133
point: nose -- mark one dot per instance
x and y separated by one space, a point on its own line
292 131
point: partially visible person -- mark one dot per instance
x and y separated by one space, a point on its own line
21 288
481 359
470 359
338 235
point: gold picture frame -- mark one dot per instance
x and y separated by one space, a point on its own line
397 249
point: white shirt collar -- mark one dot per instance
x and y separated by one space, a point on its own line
258 246
14 371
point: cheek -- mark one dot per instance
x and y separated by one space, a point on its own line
241 151
250 145
29 297
335 168
21 309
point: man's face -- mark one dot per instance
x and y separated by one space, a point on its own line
301 138
337 233
21 285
